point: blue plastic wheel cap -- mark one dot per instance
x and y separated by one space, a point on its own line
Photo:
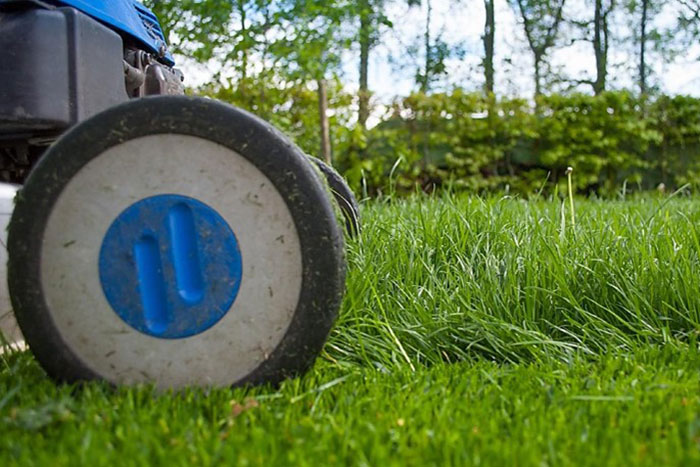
170 266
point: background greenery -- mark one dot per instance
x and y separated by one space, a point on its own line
614 141
273 57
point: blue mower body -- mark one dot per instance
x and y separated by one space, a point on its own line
63 61
127 17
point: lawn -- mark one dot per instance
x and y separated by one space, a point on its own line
474 331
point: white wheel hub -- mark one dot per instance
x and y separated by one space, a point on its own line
226 182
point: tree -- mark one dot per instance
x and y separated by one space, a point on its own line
434 51
489 39
365 41
264 55
689 17
688 23
310 48
601 42
371 16
653 43
643 36
424 77
541 22
596 30
225 34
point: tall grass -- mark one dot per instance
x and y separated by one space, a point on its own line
578 347
461 279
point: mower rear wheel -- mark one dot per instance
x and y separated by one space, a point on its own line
343 195
152 244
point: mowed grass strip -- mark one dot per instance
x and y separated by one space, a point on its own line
637 410
473 332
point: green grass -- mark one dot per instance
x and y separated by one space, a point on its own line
473 332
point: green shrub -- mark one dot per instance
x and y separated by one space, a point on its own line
478 143
676 159
473 142
604 138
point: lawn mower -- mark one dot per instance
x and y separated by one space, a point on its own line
157 238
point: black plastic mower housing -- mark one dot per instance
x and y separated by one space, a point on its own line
57 67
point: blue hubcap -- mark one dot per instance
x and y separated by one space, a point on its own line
170 266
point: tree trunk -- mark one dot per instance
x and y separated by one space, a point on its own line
243 32
643 49
600 46
489 41
365 38
425 81
538 74
323 118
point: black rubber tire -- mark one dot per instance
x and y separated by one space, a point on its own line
320 237
343 196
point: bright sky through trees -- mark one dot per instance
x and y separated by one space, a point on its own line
460 24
